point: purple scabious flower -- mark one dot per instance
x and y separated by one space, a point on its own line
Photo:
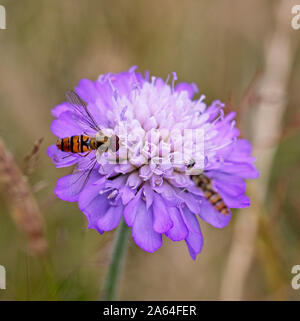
153 193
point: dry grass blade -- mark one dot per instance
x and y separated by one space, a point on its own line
24 208
32 157
267 124
291 129
249 97
250 93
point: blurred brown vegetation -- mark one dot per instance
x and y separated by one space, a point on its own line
49 46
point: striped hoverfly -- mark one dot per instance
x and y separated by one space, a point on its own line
204 183
89 146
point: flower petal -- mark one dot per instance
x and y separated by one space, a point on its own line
230 184
134 180
194 242
64 126
127 194
68 189
59 109
92 204
191 201
239 201
161 219
131 209
59 158
210 215
111 218
179 230
87 90
142 232
63 191
244 170
191 89
148 193
190 220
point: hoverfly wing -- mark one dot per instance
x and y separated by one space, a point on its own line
81 176
81 107
74 99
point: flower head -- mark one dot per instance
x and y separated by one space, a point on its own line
161 131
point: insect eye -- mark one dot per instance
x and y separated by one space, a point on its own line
114 143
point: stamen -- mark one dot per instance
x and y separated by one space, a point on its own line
133 68
115 91
214 148
174 80
220 117
147 75
113 194
168 78
103 191
122 116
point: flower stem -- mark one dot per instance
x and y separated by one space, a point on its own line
117 262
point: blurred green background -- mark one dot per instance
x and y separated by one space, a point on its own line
49 46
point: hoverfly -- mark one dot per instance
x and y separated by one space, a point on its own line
86 143
205 184
83 145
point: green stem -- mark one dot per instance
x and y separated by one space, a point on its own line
117 262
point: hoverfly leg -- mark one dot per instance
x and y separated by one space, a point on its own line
85 155
100 151
67 156
103 169
88 153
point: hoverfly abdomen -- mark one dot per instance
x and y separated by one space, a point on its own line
76 144
64 144
204 183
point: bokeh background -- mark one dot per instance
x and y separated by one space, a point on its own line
244 53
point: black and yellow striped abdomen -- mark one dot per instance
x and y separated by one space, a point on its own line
210 194
77 144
